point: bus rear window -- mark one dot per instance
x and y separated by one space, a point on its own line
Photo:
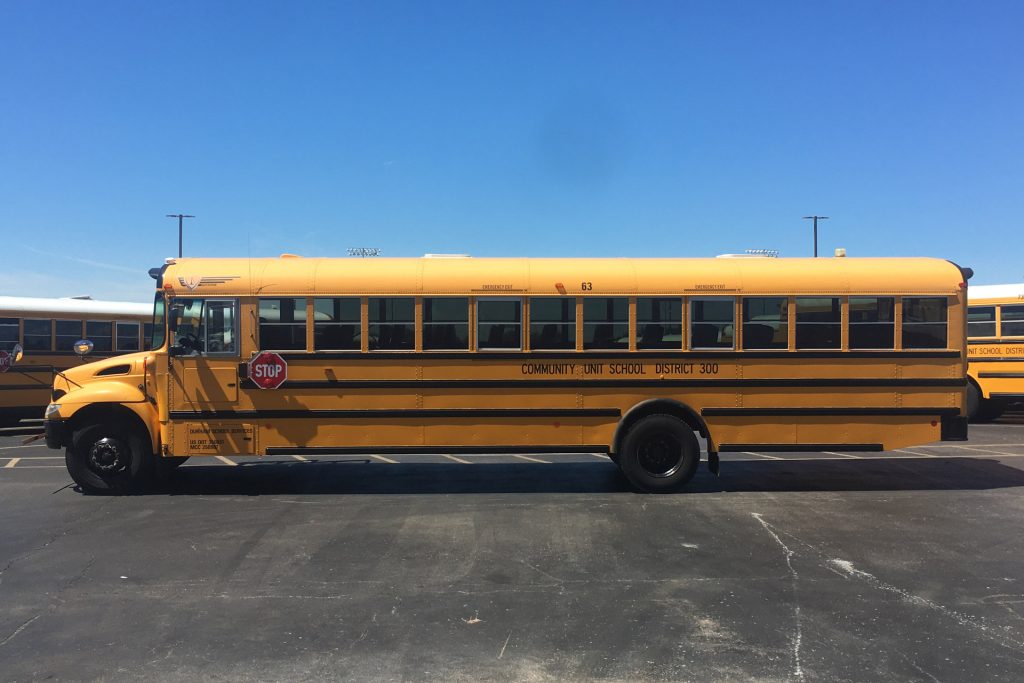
872 322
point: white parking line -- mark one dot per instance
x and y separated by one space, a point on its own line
226 461
12 463
526 457
602 456
762 455
987 451
31 445
458 460
383 459
300 458
917 453
843 455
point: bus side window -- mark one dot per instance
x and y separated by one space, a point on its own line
446 323
283 324
392 323
659 323
818 323
606 322
712 323
127 336
765 322
220 327
1012 321
499 324
872 322
8 333
981 321
68 332
336 324
924 322
101 334
552 323
37 334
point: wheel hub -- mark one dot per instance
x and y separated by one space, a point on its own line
108 455
660 456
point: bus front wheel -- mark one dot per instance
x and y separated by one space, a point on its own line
108 459
980 409
659 454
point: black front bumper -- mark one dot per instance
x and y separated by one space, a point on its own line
57 435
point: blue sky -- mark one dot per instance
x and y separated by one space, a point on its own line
497 129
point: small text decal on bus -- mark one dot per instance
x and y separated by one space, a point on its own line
268 370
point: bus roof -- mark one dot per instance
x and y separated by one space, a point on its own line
295 276
24 306
1013 292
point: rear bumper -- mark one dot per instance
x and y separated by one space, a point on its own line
954 428
56 434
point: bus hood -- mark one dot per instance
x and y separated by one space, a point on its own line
126 370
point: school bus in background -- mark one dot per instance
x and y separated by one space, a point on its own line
47 330
995 349
633 358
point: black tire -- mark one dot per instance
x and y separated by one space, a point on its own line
109 459
659 454
980 409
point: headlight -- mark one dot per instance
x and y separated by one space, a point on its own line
51 410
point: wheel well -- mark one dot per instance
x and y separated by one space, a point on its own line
977 386
662 406
99 413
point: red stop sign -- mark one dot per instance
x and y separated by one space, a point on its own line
6 360
268 370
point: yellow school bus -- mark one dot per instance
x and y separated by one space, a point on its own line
632 358
995 349
47 330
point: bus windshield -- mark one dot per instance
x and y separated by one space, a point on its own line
159 322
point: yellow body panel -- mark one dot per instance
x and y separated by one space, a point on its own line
997 362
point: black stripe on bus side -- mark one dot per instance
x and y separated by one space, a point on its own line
411 413
797 448
606 383
1008 397
610 356
997 359
1001 375
428 450
24 387
828 412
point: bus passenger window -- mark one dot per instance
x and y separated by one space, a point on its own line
392 323
872 322
606 323
712 323
981 321
8 333
818 323
499 324
552 323
220 327
100 334
127 336
68 332
446 324
283 324
37 335
336 324
659 323
924 322
1012 321
765 323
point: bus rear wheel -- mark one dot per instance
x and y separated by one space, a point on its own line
659 454
108 459
980 409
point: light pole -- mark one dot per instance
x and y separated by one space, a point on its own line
180 217
816 219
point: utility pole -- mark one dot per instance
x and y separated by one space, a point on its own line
180 217
816 219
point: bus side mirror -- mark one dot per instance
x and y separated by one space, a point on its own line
17 353
83 347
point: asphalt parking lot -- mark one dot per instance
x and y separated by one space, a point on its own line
905 565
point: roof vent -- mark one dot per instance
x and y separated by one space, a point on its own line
840 252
